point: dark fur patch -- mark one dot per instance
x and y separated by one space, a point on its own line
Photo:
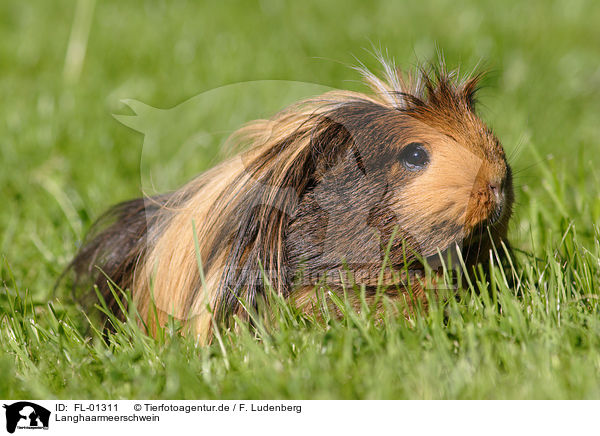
115 245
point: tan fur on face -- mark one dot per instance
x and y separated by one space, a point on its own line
452 190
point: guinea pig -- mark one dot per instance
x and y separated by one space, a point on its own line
333 184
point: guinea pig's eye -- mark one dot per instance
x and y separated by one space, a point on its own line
414 157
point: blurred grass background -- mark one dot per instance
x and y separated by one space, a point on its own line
64 158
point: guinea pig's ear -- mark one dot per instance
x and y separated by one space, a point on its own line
329 141
354 130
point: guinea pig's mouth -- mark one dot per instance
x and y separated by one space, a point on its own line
495 216
482 231
500 215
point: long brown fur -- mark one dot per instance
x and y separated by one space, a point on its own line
320 189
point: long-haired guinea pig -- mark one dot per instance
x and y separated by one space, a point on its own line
334 184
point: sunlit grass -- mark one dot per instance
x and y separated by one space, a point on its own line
65 159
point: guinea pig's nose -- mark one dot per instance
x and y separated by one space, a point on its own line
497 191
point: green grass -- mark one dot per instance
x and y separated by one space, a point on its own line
65 159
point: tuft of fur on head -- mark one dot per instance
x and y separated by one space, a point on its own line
318 187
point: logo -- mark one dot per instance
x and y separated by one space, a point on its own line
26 415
